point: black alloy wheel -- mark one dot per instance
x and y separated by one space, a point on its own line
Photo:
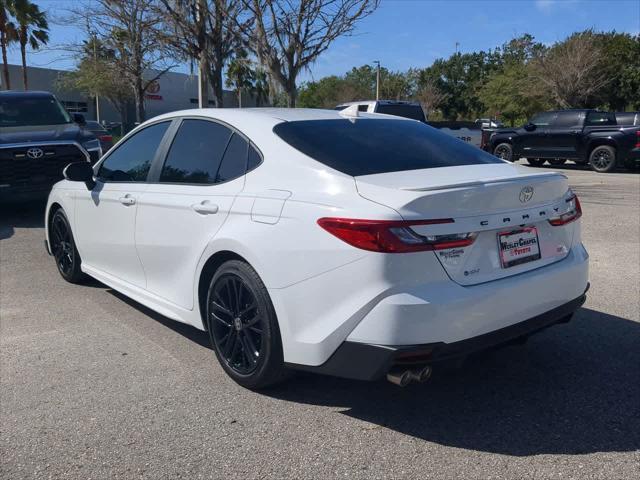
63 248
504 151
243 326
603 159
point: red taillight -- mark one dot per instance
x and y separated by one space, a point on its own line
574 213
389 236
637 139
105 138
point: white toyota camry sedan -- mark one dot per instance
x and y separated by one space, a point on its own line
352 244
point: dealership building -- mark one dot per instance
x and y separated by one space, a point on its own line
171 92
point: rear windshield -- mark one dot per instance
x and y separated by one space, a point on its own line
413 112
370 146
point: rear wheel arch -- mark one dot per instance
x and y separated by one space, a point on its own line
209 269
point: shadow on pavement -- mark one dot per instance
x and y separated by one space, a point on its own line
21 215
573 389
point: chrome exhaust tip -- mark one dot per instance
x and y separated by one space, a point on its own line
421 374
402 378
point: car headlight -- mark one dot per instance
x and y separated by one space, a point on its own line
93 146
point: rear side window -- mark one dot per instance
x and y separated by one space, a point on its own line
234 162
130 162
413 112
600 118
254 158
196 153
566 119
370 146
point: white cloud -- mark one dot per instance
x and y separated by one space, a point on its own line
545 6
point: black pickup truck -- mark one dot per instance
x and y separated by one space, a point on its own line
38 138
583 136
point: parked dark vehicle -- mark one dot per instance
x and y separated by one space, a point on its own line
106 139
628 118
583 136
38 138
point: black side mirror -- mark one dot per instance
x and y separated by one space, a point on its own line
530 127
79 119
80 172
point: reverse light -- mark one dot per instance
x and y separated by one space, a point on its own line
390 236
574 213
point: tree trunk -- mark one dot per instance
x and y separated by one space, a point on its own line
23 54
139 98
239 97
292 93
5 65
203 84
216 83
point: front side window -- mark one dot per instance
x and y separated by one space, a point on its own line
131 161
20 111
196 153
542 119
369 146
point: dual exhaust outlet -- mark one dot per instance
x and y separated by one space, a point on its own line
404 376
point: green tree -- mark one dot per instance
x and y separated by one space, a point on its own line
8 35
621 61
512 94
32 29
240 75
96 74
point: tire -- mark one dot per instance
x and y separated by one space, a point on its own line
536 162
63 248
504 151
556 162
603 159
243 327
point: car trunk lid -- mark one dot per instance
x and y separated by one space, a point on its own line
505 205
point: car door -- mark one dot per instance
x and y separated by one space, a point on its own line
563 134
105 216
189 197
531 143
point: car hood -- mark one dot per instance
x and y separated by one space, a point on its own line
44 133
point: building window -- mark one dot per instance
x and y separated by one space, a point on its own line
75 107
212 103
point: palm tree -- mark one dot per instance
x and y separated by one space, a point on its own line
32 28
240 74
8 34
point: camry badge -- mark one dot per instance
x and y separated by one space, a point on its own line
35 153
526 194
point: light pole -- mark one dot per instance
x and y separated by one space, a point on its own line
377 62
95 65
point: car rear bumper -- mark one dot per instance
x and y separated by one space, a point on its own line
363 361
443 313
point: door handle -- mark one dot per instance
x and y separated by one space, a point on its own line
205 207
127 200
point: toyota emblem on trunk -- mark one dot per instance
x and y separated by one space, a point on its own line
526 194
35 153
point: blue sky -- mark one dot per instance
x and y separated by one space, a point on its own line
413 33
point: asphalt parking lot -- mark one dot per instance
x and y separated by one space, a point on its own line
93 385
